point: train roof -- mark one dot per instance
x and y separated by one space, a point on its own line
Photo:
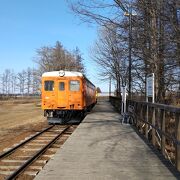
62 74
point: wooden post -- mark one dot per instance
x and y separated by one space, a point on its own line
136 112
141 116
178 139
147 125
163 129
153 130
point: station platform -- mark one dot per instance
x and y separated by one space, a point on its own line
102 148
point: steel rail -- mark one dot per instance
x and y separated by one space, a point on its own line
36 155
6 153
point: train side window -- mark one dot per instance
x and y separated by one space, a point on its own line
61 86
74 85
48 85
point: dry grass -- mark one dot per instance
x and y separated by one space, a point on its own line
19 116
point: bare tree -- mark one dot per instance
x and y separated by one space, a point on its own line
109 53
57 58
78 61
29 80
21 82
36 82
155 41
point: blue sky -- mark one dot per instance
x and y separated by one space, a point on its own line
28 25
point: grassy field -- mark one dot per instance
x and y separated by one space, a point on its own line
18 117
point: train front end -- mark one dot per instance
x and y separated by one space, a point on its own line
62 96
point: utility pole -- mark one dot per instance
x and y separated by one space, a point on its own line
130 50
128 12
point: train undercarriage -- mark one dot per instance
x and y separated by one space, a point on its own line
63 116
66 116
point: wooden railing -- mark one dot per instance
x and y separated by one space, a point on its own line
160 124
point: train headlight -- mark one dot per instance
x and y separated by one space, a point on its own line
61 73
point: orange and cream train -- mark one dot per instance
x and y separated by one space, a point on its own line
66 94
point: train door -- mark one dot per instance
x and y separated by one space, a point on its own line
62 94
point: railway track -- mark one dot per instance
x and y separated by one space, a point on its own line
25 160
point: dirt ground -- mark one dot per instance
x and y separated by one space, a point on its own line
18 119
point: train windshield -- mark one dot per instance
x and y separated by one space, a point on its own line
74 86
48 85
